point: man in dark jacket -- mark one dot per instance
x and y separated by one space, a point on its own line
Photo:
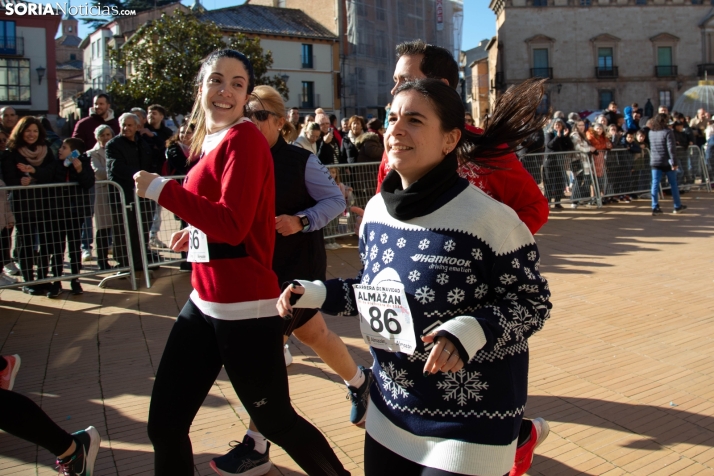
9 119
100 114
127 154
328 149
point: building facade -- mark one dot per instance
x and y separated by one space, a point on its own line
28 79
369 31
69 58
597 51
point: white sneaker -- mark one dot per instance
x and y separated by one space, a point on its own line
155 242
6 280
573 205
86 256
287 355
11 269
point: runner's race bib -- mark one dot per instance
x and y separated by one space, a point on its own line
197 246
385 318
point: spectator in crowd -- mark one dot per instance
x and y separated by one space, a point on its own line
555 178
328 148
309 137
631 122
580 165
7 223
309 118
156 124
374 125
349 151
602 120
630 162
611 113
616 164
53 140
344 127
102 209
73 206
101 113
29 161
698 124
469 119
680 137
9 119
126 155
573 118
614 135
335 124
178 162
597 138
369 147
294 117
532 155
663 161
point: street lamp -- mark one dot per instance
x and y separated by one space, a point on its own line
285 78
40 73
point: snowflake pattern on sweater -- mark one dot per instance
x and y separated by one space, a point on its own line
470 272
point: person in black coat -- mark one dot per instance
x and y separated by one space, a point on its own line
555 178
127 154
29 161
73 206
349 149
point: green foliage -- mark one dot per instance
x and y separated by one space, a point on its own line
165 56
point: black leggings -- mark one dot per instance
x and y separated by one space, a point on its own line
22 417
251 351
380 461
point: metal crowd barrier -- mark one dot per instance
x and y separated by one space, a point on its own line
46 239
579 178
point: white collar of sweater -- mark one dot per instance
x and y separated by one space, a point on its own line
352 136
211 141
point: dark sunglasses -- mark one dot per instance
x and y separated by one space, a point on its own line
262 115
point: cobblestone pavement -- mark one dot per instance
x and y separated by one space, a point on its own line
623 370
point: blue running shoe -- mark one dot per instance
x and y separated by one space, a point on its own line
360 398
81 463
242 460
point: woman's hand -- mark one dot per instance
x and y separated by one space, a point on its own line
443 356
28 169
25 181
284 306
358 213
287 225
179 241
143 179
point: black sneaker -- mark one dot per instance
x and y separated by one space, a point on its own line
680 209
76 287
54 289
360 398
657 211
35 289
242 459
81 463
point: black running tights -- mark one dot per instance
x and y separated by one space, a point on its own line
251 351
22 417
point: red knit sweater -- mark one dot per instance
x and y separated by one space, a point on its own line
514 187
230 196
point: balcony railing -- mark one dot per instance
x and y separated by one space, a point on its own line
705 69
606 72
665 71
542 73
12 46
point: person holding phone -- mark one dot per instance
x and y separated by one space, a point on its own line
555 178
328 148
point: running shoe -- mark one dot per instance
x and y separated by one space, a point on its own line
54 290
86 256
6 280
524 453
360 398
36 289
657 211
8 374
680 209
242 460
155 242
11 269
81 463
287 355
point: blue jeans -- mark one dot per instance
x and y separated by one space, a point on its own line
656 179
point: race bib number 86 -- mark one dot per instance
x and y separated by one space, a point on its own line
385 318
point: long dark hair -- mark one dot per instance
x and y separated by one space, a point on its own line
659 122
17 140
514 119
198 115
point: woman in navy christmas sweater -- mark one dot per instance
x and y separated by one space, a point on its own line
448 296
230 319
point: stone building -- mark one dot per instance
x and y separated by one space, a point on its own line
369 31
597 51
70 73
474 63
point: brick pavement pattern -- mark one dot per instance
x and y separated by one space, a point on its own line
623 369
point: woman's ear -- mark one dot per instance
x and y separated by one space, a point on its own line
452 140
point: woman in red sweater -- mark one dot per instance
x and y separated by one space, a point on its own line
230 319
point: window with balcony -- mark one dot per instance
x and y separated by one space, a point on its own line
605 66
8 40
15 81
307 56
665 67
307 95
541 66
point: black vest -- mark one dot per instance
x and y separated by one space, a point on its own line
301 255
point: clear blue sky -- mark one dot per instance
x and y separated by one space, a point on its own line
479 21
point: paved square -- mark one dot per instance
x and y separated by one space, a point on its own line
623 370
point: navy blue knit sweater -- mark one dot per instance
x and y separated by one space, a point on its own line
470 272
